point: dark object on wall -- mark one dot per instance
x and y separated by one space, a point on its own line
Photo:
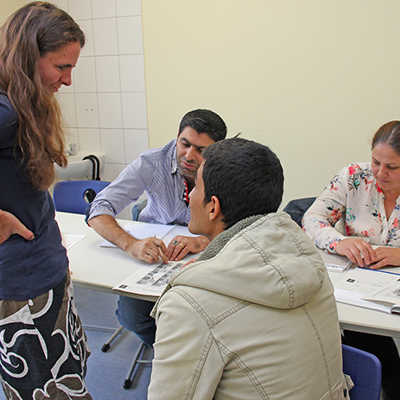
95 166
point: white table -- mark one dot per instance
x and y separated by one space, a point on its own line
96 267
103 268
365 320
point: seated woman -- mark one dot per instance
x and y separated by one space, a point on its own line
364 200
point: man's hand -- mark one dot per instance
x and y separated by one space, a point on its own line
358 251
180 246
9 225
150 250
386 256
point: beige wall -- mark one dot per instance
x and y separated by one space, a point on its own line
9 6
313 79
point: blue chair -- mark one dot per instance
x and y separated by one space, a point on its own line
296 208
365 371
137 209
74 196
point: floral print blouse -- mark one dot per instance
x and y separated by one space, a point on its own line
352 205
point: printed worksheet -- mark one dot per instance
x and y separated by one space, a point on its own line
152 282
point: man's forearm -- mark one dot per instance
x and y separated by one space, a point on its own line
106 226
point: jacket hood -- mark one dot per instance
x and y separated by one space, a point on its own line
266 260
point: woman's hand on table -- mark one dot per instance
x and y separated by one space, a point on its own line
358 251
386 256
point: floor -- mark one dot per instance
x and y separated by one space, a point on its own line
107 371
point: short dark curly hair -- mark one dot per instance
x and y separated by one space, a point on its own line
247 177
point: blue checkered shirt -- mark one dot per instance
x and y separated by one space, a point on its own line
154 172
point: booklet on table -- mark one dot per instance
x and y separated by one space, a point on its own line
374 289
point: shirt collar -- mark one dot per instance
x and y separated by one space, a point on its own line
174 161
378 189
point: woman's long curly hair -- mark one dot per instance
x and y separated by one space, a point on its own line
28 34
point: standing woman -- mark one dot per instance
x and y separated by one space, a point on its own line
43 348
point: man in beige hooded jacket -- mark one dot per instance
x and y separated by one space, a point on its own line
254 317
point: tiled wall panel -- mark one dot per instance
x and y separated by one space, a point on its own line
105 108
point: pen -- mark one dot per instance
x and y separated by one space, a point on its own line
162 255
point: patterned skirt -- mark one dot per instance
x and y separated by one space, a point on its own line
43 348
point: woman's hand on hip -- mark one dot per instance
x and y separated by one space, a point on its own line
10 225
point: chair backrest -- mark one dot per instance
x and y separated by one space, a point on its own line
137 209
365 371
74 196
296 208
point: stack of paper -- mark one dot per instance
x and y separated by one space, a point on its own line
335 262
374 289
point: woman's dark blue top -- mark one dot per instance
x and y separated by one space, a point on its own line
27 268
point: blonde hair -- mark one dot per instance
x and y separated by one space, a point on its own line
28 34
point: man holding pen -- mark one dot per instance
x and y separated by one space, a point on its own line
167 176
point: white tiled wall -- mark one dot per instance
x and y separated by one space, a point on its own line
105 108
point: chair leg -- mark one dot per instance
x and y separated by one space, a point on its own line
136 359
106 346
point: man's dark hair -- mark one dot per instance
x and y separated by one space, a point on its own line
204 121
247 178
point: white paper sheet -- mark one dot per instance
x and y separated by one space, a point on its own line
142 231
69 239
